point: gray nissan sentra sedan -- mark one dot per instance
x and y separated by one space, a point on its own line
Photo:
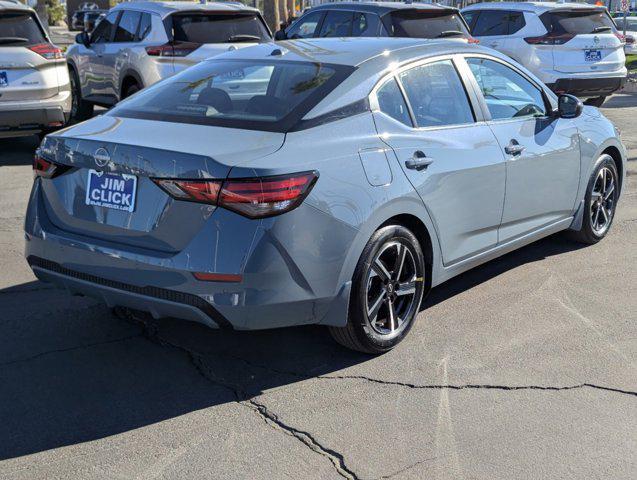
324 181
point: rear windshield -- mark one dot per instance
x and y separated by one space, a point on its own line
219 28
578 22
19 28
249 94
425 24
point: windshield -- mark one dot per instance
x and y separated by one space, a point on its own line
250 94
219 28
578 22
425 23
19 28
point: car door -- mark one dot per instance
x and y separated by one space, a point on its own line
307 26
448 153
92 71
117 53
491 27
542 151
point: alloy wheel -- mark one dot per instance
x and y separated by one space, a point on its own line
391 288
602 201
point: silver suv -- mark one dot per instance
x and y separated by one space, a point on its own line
138 44
35 95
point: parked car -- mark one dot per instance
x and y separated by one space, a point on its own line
140 43
77 19
92 18
572 47
378 19
196 200
35 94
631 33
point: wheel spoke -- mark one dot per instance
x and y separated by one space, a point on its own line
381 271
605 213
603 172
595 195
595 218
400 261
392 316
609 191
406 288
372 312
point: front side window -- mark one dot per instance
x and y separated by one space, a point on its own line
392 103
250 94
507 93
337 23
361 26
219 28
306 26
436 95
425 23
126 30
104 29
19 29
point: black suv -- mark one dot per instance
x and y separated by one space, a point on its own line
378 19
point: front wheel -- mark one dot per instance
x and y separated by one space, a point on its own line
387 290
600 202
595 102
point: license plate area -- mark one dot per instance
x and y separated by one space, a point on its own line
4 79
592 55
111 190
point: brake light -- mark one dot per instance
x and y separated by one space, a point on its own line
630 39
48 51
473 40
621 38
251 197
550 39
45 169
174 49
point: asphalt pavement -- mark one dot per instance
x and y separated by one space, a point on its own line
524 368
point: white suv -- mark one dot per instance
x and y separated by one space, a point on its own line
140 43
35 96
572 47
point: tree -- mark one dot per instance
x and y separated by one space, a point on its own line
271 14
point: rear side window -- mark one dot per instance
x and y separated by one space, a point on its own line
19 28
490 23
436 95
337 23
145 25
249 94
363 25
306 26
126 30
219 28
392 103
578 22
507 93
424 23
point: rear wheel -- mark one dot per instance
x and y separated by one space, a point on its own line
387 290
130 90
80 109
595 102
600 202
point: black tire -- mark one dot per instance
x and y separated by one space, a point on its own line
595 102
80 109
130 90
378 337
590 231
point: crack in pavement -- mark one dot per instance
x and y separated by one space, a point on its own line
242 399
70 349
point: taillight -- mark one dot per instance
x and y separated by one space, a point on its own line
630 39
251 197
48 51
621 38
549 39
473 40
174 49
45 169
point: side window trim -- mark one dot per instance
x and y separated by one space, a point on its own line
483 105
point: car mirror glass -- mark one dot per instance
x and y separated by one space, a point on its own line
280 35
569 106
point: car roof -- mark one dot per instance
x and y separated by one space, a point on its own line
166 8
14 5
537 7
379 7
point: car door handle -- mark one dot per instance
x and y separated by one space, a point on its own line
514 148
419 161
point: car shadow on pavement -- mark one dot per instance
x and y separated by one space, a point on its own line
13 150
75 372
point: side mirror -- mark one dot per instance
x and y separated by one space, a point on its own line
569 106
83 38
280 35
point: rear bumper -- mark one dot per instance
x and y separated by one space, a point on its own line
588 87
28 117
